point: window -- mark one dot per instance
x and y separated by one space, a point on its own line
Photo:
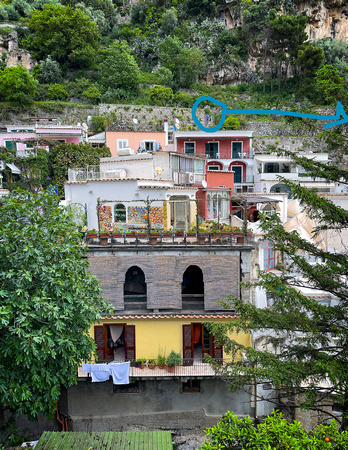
191 386
237 149
212 167
217 205
238 173
120 213
189 148
148 146
11 145
212 149
122 143
271 168
281 189
115 342
135 289
268 255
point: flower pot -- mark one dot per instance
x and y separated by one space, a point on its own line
201 240
153 240
161 366
151 366
171 369
91 236
104 237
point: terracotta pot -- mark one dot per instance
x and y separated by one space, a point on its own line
91 236
171 369
201 240
161 366
153 240
151 366
104 237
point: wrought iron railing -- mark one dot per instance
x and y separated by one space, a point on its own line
190 367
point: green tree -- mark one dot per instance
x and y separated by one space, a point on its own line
231 123
49 71
66 156
57 92
119 69
65 33
274 432
17 85
92 94
331 85
309 59
186 64
48 302
161 96
299 349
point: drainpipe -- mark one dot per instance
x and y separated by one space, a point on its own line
165 126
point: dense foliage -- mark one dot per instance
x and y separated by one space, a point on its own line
303 350
274 432
48 301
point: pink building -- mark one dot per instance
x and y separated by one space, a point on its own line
16 136
129 142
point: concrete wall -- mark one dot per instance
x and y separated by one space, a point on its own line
159 404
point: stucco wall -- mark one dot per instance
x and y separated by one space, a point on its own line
134 138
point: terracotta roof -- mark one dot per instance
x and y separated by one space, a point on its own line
172 316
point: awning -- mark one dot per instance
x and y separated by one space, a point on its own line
13 168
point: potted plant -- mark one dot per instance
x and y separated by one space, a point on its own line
174 359
104 236
151 364
91 234
161 361
140 363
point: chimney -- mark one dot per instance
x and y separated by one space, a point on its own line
165 127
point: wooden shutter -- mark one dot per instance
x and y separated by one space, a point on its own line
100 337
216 352
187 345
129 341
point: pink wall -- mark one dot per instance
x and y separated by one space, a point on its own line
21 147
134 138
225 145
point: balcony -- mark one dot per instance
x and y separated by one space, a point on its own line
168 239
191 368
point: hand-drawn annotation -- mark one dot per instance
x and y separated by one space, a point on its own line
337 117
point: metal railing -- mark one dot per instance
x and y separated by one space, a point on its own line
139 238
195 367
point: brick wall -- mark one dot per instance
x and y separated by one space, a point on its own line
163 276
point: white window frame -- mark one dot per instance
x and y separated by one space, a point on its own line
214 168
213 204
122 143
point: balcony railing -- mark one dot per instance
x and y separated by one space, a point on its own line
189 368
163 239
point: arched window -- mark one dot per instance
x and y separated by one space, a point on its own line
120 213
134 289
192 288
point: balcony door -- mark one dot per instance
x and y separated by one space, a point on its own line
197 341
115 342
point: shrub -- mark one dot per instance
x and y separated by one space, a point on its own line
161 95
57 92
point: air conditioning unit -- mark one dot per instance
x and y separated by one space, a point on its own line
125 151
190 177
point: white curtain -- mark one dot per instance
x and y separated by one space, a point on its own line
116 331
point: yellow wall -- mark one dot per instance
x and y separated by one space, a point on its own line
152 334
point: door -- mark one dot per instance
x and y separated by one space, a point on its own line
101 339
236 149
211 149
237 173
129 341
216 352
187 340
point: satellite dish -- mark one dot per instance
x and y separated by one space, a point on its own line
159 170
204 184
177 121
135 121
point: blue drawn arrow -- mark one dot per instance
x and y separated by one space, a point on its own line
337 117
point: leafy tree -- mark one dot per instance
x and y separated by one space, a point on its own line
119 69
92 94
50 72
298 349
169 22
17 85
309 59
161 96
49 300
186 64
65 156
335 51
64 33
98 124
231 123
274 432
57 92
332 86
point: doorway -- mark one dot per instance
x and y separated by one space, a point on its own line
198 341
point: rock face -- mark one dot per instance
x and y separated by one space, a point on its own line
15 56
327 18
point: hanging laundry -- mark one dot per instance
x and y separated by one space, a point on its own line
100 372
86 368
120 372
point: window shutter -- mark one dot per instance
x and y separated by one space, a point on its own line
215 352
187 345
100 337
129 333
